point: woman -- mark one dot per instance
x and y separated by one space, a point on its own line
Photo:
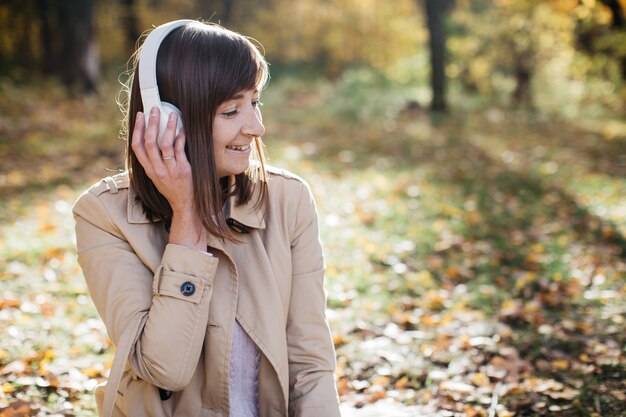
205 266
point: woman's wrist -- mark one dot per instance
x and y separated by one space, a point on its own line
187 230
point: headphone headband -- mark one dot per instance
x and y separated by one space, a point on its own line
147 63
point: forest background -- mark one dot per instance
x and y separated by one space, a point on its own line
469 163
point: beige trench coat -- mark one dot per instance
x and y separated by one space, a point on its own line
186 302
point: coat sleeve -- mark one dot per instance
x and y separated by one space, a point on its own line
167 348
312 389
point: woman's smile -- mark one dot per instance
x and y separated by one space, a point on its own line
237 122
239 148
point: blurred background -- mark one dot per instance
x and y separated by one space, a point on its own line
469 164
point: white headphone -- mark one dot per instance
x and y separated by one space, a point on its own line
148 78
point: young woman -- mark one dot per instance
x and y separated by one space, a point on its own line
204 263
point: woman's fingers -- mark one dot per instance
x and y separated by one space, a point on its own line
151 144
179 152
137 140
168 167
167 146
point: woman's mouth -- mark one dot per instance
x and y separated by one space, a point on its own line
239 148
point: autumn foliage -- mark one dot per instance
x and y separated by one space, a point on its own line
476 263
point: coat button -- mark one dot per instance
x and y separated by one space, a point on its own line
187 289
164 394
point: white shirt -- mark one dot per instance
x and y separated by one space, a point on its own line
243 376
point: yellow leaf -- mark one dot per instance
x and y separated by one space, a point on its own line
378 395
474 217
561 364
7 388
406 319
92 372
43 371
434 300
402 383
471 411
54 252
382 381
527 278
343 387
47 227
9 303
453 272
338 340
430 321
479 379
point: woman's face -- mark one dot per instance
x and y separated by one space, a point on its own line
237 122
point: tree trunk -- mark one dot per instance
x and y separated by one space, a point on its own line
19 17
79 57
49 63
130 24
522 96
227 11
619 23
68 45
435 15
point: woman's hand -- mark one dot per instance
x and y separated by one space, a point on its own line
167 167
170 171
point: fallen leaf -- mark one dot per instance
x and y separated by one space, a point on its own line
561 364
7 388
456 386
479 379
18 408
10 303
564 394
402 383
620 395
376 396
338 340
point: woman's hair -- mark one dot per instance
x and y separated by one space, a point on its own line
200 66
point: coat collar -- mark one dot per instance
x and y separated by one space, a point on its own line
245 214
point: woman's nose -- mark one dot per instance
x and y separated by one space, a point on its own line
254 124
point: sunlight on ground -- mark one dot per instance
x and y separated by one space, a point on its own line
482 255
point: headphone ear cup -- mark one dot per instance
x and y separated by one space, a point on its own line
165 110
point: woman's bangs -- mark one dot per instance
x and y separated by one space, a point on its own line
253 73
251 69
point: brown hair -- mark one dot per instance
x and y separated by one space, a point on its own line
200 66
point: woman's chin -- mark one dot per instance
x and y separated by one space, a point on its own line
234 170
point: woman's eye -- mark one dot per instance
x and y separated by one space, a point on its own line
256 103
230 113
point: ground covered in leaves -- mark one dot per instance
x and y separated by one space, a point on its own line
476 263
